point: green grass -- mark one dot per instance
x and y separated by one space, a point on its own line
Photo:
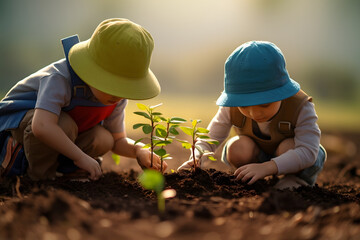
334 116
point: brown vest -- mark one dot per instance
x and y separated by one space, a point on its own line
281 126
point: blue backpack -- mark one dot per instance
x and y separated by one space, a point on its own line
12 157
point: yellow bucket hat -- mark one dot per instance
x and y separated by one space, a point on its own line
116 59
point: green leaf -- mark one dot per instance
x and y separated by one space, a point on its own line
143 114
203 136
142 107
195 122
173 131
156 119
156 113
211 158
147 145
166 156
137 141
147 129
187 130
152 180
177 120
116 158
160 126
160 132
161 143
211 141
202 130
186 145
135 126
161 152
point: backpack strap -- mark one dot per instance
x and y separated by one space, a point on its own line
79 88
288 118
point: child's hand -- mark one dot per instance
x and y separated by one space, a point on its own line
91 165
252 172
143 156
189 164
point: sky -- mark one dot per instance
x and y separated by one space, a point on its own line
192 38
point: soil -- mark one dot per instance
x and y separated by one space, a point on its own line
210 204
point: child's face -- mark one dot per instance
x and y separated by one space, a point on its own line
105 98
261 113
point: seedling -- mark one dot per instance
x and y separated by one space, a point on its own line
197 133
165 135
154 180
154 117
160 135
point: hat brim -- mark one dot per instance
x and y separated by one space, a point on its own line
258 98
91 73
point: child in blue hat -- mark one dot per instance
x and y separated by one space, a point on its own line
274 119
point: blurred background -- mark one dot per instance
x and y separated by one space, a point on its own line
320 41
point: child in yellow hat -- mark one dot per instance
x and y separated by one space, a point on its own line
274 119
69 113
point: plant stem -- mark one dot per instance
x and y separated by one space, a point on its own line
151 142
162 147
193 149
193 154
161 202
161 164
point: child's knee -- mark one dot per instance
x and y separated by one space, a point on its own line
241 150
68 125
284 146
96 141
103 140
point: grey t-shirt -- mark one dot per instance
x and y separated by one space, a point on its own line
53 87
307 138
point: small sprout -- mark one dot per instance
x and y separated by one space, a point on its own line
154 180
154 117
165 136
160 135
116 158
197 133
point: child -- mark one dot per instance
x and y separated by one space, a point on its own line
72 111
274 120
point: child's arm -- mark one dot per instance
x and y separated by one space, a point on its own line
125 147
219 129
252 172
307 141
45 127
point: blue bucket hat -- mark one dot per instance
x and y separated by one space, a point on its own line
255 73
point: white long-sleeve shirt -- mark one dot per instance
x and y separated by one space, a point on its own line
307 138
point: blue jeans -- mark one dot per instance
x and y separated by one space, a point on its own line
309 174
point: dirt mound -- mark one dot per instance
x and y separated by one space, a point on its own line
209 204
